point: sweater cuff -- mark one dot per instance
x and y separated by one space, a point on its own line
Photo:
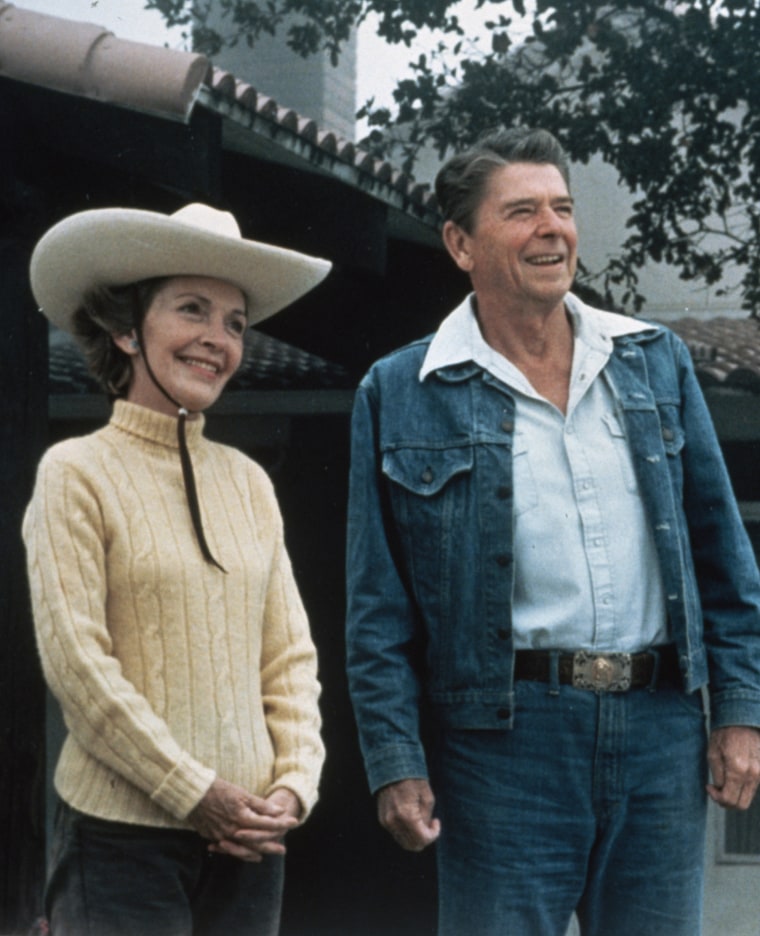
184 787
301 788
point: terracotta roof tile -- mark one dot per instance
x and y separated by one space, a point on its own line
726 351
87 60
223 81
346 150
307 128
246 95
327 140
286 117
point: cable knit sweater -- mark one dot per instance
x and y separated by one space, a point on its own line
169 672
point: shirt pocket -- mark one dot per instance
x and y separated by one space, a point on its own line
622 449
523 479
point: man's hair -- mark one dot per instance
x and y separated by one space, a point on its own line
461 182
104 313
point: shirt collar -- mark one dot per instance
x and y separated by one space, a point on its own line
459 339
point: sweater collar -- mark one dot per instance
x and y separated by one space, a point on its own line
153 426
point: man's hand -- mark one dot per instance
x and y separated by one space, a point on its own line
734 759
240 824
405 809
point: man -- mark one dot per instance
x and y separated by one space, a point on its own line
546 565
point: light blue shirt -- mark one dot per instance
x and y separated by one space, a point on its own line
586 570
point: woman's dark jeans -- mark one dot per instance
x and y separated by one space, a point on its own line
115 879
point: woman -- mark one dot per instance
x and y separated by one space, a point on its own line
167 618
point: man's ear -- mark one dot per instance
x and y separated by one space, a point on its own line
457 242
127 343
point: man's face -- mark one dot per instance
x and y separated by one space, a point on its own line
523 245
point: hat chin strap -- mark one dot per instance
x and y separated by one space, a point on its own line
188 474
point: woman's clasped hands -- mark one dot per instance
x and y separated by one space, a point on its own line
242 825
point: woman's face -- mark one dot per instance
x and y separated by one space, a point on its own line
193 338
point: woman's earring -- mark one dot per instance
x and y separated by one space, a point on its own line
134 344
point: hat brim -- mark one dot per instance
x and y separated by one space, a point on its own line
118 246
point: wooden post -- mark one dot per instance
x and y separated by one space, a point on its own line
23 433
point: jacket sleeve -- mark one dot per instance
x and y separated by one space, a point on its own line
725 566
383 629
65 540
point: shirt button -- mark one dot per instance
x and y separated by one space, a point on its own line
427 475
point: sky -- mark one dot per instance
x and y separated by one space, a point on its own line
379 65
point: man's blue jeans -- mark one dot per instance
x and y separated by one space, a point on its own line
593 803
113 879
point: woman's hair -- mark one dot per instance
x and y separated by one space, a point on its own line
461 182
107 311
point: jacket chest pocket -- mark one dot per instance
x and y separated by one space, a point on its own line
429 491
426 472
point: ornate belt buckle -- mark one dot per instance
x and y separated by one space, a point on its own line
602 672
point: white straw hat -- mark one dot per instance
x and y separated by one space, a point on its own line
118 246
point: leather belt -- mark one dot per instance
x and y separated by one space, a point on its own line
602 672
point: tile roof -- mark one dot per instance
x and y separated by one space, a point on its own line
270 365
726 351
87 60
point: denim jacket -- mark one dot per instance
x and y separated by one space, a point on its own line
430 561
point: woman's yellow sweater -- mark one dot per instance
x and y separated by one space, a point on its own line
169 672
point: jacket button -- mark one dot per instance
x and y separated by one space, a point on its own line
502 633
503 560
668 434
502 492
427 475
502 714
507 425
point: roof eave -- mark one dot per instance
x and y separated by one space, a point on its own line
276 135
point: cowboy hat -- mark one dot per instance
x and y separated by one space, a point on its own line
118 246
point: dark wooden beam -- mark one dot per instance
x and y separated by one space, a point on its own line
129 143
23 428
